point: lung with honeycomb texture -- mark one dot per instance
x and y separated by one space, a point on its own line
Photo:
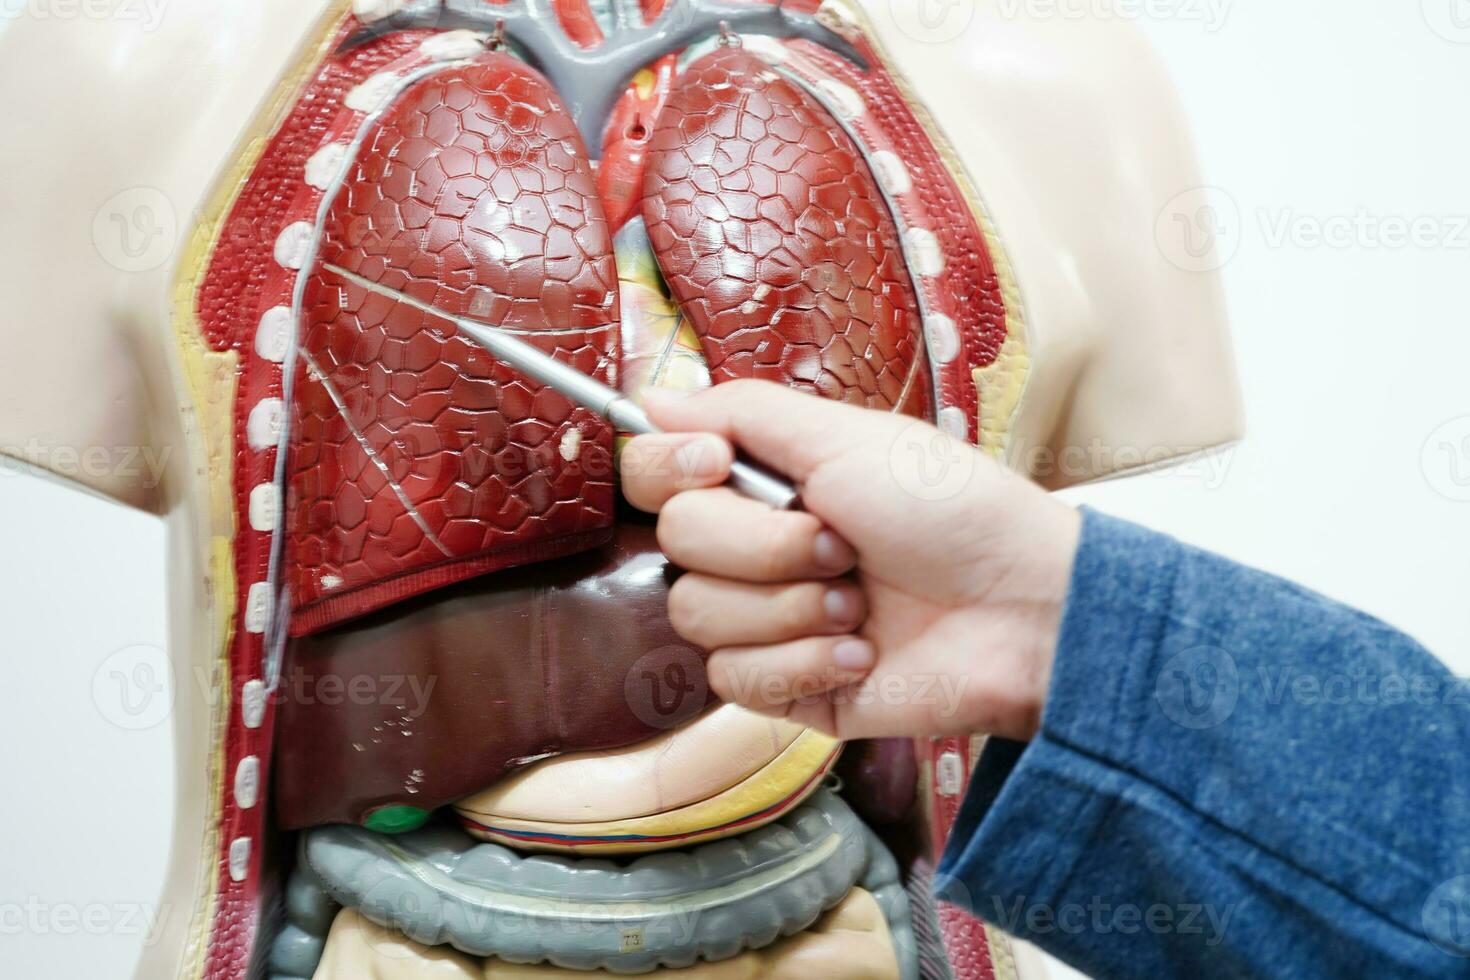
775 239
418 460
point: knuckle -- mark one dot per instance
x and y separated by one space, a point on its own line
687 610
633 456
676 522
637 473
789 545
720 670
799 608
829 480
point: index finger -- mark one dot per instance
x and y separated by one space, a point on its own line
791 431
654 468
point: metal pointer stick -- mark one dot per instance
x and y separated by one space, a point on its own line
746 477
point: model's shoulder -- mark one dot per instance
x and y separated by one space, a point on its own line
1025 83
1026 46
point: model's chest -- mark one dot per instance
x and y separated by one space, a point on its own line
672 205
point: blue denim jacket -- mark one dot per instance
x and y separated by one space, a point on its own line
1235 778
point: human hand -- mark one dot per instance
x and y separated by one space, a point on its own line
920 592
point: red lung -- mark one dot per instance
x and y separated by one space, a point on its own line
417 459
776 241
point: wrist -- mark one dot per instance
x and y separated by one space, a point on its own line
1047 536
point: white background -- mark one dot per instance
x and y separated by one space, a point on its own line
1315 113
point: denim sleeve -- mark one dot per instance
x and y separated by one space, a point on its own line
1235 778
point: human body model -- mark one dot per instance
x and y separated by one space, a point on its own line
1050 147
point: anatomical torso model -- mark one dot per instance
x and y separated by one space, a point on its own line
457 736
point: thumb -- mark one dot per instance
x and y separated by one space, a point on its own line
789 430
